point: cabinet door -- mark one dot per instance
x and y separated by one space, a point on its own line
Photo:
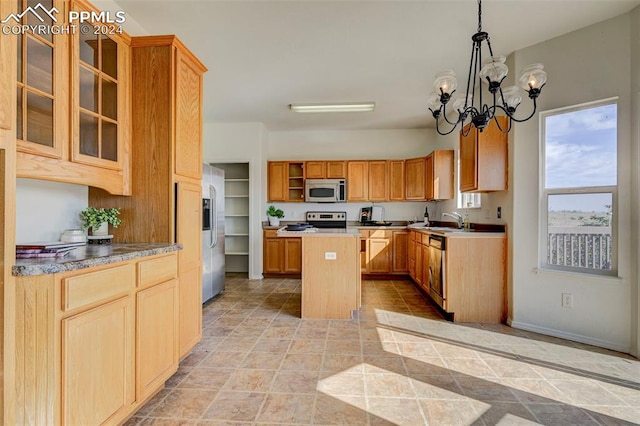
273 255
378 181
419 263
292 255
492 158
157 337
188 113
100 69
400 251
441 174
189 234
98 364
315 169
426 271
42 125
364 252
379 252
357 181
336 169
415 179
396 180
468 161
412 254
429 178
277 181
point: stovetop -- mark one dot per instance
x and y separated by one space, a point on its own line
327 219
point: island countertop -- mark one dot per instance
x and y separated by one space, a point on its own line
89 256
321 232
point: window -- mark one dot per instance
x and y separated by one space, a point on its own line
467 200
579 188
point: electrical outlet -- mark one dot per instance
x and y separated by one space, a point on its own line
499 213
567 300
330 255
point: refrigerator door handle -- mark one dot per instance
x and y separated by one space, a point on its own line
213 211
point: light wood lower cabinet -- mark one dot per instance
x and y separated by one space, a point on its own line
475 275
384 251
156 338
98 364
281 255
89 358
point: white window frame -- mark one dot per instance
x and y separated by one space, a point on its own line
544 194
466 200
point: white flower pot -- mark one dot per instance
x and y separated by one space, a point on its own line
274 221
103 229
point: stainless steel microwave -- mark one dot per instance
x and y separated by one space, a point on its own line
325 190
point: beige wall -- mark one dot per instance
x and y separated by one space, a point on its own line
587 65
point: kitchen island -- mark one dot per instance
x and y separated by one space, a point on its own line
331 283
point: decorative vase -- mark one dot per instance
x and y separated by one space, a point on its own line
101 230
274 221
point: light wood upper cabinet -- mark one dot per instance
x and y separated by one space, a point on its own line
484 159
378 180
439 175
7 77
415 179
277 181
315 169
285 181
396 180
357 181
100 92
42 125
336 169
98 364
188 90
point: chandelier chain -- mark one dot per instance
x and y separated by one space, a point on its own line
479 15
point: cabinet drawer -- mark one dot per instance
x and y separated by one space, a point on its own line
155 271
95 286
379 233
270 233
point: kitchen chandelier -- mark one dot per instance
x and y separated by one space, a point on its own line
492 73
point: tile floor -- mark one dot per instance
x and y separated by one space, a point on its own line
398 363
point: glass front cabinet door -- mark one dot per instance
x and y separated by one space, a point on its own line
42 78
100 110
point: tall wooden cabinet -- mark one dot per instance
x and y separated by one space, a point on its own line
484 158
166 200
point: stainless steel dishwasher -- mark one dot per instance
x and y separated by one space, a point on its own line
437 277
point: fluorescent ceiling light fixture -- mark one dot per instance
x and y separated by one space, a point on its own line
350 107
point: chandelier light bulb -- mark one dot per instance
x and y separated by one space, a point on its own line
460 102
533 77
445 83
494 69
512 96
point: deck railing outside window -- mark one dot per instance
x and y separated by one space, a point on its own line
580 246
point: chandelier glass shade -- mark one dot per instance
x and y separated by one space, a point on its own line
453 108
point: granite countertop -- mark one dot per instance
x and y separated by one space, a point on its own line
89 256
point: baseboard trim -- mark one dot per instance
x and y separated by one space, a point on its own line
569 336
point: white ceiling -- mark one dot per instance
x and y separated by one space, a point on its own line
264 55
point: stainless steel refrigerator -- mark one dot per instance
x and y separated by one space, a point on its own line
212 231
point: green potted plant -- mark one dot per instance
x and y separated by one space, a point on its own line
274 215
98 220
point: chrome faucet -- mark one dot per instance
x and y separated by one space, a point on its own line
457 217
